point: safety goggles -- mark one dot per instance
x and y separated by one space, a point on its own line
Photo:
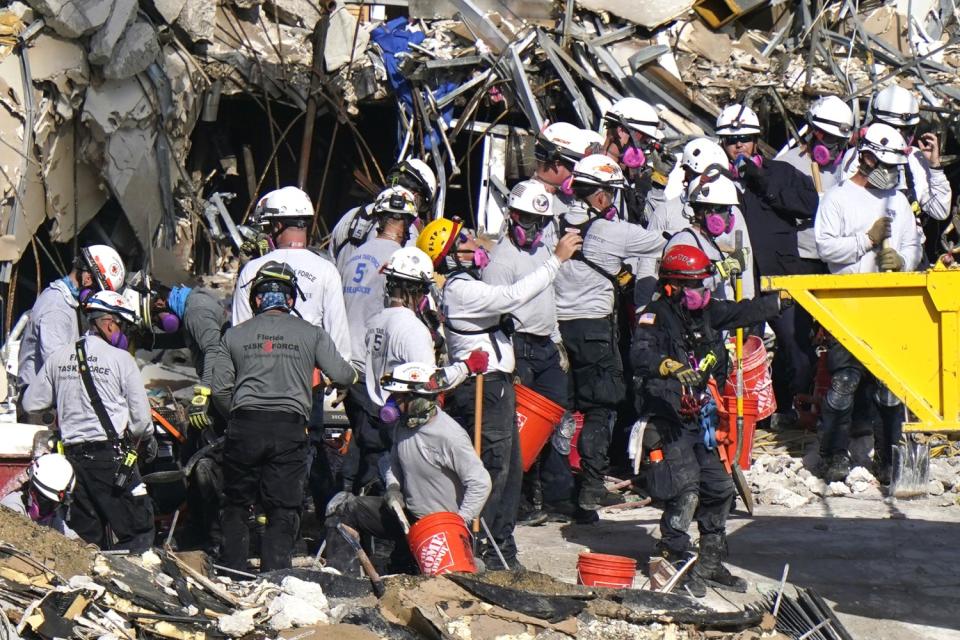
742 139
844 128
529 220
714 209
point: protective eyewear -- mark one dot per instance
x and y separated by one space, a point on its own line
742 139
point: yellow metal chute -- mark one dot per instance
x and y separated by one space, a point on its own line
903 327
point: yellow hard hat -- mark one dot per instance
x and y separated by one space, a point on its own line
437 238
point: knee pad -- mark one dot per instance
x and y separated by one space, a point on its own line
680 511
884 397
843 386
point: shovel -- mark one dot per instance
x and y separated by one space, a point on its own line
911 469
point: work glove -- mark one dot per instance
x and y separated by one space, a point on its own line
879 231
889 260
753 176
149 449
670 368
394 498
728 266
477 361
564 357
199 418
256 247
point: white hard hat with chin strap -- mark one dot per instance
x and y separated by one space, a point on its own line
738 120
896 106
702 153
288 205
888 147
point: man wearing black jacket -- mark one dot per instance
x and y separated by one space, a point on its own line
774 196
678 345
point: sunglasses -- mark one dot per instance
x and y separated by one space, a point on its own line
731 140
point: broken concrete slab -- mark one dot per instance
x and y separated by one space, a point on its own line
198 18
169 10
697 38
113 105
103 42
59 61
647 14
296 13
71 18
60 161
135 51
340 47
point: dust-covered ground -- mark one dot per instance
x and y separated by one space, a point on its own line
67 557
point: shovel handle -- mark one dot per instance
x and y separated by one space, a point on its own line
478 431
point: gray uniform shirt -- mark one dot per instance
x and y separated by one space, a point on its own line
581 291
266 364
363 285
438 470
339 237
117 380
509 263
52 324
203 319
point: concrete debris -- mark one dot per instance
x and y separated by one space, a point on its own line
837 489
134 52
935 488
71 18
238 624
102 43
169 10
198 19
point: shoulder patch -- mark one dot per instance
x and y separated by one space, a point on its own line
647 318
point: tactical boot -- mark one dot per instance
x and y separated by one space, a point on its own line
689 581
838 468
882 471
592 499
710 569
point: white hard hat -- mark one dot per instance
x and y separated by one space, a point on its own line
594 141
52 475
284 203
885 142
896 106
568 142
396 200
700 153
410 377
105 265
112 303
531 196
634 113
420 177
737 120
717 190
600 171
832 115
409 263
134 299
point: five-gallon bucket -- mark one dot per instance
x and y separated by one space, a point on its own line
602 570
757 382
727 432
574 457
537 417
440 543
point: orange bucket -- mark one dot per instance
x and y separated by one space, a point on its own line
602 570
574 457
440 542
727 431
537 417
757 382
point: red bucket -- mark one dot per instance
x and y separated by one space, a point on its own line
602 570
757 382
440 542
727 432
537 417
574 456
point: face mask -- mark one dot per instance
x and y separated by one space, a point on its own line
824 155
521 233
633 157
741 160
480 258
884 176
716 225
420 410
390 412
610 213
273 300
566 187
168 322
84 294
694 299
120 340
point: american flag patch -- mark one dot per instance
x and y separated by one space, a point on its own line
647 318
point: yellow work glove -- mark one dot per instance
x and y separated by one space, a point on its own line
670 368
199 405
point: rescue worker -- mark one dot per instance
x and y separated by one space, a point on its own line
361 270
633 139
586 289
712 199
57 318
359 224
432 467
104 418
773 196
677 346
923 180
558 147
475 317
830 123
45 497
864 225
262 379
541 360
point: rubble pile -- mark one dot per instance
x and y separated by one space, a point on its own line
786 481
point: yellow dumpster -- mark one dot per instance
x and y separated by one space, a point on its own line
903 327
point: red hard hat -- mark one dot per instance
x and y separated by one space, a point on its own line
684 262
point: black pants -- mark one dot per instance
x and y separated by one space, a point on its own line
264 462
371 439
370 516
846 376
538 367
97 505
793 363
692 483
500 453
597 388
